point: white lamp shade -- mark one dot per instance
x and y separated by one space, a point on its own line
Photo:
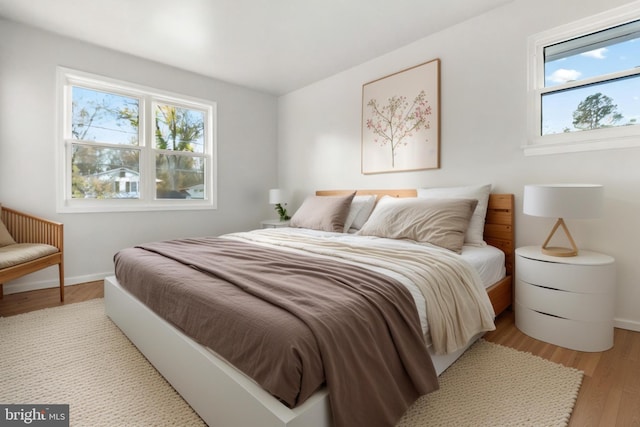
578 201
277 195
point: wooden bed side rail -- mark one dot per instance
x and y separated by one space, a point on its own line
27 228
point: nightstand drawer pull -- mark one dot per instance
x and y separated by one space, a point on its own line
549 314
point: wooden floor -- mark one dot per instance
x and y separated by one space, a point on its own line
610 392
23 302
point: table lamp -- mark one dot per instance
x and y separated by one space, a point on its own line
562 201
278 197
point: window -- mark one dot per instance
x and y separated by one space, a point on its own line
127 147
584 85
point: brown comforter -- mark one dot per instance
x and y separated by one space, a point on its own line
291 322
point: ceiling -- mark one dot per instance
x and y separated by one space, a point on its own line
275 46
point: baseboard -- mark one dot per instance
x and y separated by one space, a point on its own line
12 288
631 325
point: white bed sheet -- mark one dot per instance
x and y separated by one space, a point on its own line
487 261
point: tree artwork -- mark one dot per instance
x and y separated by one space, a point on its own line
394 123
401 120
596 111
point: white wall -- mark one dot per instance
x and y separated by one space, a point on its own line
483 107
246 134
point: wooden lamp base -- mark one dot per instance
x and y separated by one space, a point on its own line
558 251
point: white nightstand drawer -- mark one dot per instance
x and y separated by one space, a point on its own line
567 301
566 276
569 305
576 335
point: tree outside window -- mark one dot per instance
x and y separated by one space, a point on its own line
110 154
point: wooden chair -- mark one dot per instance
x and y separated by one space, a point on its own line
25 228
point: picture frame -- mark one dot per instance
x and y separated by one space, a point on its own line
401 120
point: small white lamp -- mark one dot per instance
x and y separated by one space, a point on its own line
577 201
278 197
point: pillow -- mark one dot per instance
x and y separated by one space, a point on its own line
326 213
5 236
361 207
475 232
441 222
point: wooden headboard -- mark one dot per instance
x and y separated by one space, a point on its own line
498 232
498 226
380 193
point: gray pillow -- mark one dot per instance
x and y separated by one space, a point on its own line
325 213
440 222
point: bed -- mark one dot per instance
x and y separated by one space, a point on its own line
223 395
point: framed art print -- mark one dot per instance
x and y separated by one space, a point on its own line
401 120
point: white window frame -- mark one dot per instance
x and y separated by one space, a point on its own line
587 140
66 79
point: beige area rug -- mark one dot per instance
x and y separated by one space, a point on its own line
75 355
492 385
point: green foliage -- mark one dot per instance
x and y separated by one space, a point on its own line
282 212
596 111
176 129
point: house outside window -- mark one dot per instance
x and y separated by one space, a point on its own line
125 147
584 85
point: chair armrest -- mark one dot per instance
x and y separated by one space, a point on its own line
26 228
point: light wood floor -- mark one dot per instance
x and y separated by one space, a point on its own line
23 302
610 392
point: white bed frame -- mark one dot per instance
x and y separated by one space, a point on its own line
218 392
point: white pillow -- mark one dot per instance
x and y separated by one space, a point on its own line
475 232
361 207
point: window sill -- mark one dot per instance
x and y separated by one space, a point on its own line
80 206
560 144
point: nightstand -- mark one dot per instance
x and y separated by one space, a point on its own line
567 301
274 223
